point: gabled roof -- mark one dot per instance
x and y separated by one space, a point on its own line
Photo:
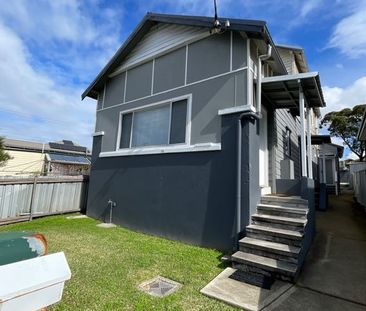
299 54
253 28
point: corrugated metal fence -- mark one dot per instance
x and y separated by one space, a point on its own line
359 187
26 198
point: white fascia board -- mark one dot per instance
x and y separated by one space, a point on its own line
236 110
297 76
162 149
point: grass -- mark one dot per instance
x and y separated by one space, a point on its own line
108 264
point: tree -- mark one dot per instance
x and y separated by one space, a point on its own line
345 124
4 156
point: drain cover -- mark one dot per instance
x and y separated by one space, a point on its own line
159 286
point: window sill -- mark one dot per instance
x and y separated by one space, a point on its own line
101 133
162 149
236 109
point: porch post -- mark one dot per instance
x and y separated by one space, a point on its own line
302 132
310 155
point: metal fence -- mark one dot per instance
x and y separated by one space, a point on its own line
25 198
359 186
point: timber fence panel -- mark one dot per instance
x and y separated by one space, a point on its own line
22 198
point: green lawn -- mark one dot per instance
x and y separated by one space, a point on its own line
108 264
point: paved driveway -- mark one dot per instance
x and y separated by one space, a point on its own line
334 274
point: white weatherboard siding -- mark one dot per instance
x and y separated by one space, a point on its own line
288 59
162 37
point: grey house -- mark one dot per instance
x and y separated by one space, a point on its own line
198 130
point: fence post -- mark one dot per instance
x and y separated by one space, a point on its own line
32 198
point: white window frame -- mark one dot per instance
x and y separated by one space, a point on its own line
148 148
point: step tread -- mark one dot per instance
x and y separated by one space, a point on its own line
292 233
291 199
297 221
298 210
264 262
270 245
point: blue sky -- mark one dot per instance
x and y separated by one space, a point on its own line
51 50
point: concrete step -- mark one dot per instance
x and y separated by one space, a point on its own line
268 266
271 234
287 223
269 249
277 210
291 201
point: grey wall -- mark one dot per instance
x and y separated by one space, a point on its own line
139 81
239 51
170 70
186 196
114 92
207 57
207 98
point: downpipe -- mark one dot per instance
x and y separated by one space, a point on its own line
261 59
254 116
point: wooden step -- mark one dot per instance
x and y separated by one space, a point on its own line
287 223
278 210
273 266
291 201
271 234
279 248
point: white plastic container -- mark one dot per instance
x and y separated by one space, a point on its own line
33 284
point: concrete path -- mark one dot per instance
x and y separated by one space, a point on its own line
333 276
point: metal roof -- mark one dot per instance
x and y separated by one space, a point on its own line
253 28
68 159
283 91
15 144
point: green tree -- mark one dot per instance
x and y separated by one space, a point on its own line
4 156
345 124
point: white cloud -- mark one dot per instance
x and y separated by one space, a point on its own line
349 34
66 35
339 98
32 105
309 6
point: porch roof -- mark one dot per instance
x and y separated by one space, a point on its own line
283 91
320 139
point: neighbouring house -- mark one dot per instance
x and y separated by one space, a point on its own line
358 169
329 170
53 158
203 134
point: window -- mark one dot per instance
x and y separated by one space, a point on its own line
164 124
287 142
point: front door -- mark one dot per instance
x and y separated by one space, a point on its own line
329 171
263 150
